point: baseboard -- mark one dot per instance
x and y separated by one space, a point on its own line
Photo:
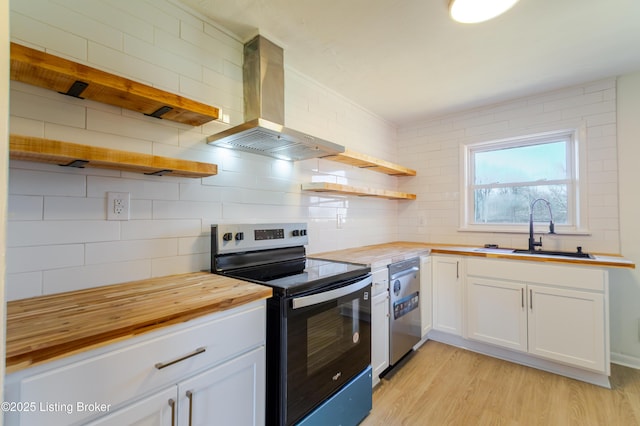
625 360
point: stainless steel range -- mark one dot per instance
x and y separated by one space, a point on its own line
318 322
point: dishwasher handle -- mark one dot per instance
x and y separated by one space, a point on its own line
405 272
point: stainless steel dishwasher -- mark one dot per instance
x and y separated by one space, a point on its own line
404 288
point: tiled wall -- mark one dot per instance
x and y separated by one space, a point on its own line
58 237
433 149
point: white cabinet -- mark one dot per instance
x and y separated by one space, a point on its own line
229 393
497 312
549 311
447 293
379 323
158 409
221 354
568 325
426 295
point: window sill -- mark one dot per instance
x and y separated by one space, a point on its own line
542 229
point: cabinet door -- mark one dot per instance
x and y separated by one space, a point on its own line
426 295
379 335
232 393
567 326
497 312
447 294
158 409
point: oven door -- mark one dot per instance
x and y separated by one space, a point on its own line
328 343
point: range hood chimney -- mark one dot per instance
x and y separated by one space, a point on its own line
263 131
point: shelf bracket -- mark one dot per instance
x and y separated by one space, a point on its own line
159 172
76 89
78 164
160 112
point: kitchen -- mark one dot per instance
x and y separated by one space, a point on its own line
58 238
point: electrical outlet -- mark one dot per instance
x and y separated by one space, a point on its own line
118 205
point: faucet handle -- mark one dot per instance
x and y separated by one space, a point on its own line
538 243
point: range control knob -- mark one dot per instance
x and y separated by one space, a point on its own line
228 236
239 236
296 233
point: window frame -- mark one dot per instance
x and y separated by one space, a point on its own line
576 182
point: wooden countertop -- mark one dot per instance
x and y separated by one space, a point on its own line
45 328
377 255
380 255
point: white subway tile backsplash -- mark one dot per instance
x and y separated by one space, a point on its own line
435 143
156 189
70 279
159 54
195 245
26 127
89 137
32 233
70 21
23 286
75 208
31 32
136 127
150 229
180 264
28 182
150 14
131 67
38 258
26 105
210 44
25 207
123 251
185 209
115 17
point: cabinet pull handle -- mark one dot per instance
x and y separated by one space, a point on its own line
162 365
172 404
190 396
522 297
531 299
457 269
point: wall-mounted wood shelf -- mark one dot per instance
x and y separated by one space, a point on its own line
52 72
357 159
50 151
353 190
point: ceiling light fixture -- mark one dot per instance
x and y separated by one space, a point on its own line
473 11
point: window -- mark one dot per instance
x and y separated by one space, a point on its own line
503 178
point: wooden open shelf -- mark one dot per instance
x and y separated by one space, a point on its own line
50 151
357 159
52 72
353 190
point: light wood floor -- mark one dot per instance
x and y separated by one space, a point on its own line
444 385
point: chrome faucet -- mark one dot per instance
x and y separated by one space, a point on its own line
532 242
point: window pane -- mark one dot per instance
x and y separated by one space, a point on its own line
522 164
511 204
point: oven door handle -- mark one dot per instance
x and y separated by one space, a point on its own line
325 296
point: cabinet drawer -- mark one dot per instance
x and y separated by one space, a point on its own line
112 377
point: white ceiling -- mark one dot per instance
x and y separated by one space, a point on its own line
405 60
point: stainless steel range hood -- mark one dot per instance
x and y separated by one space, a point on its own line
263 131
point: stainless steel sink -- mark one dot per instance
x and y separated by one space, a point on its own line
578 254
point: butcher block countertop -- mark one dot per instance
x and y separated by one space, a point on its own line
381 255
45 328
